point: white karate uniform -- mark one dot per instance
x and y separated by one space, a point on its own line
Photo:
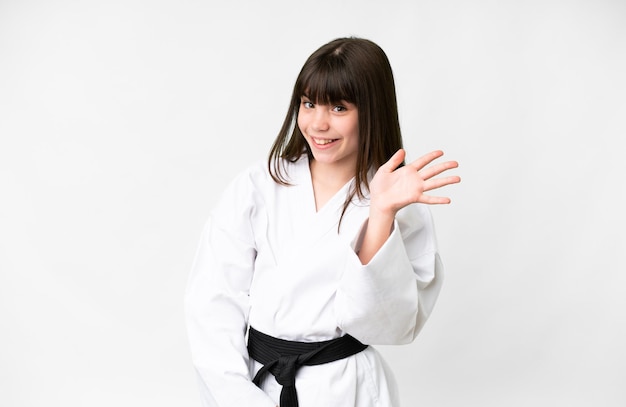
268 259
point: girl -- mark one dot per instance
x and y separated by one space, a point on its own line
326 249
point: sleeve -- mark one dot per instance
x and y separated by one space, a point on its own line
217 303
388 300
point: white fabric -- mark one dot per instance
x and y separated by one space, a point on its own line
267 259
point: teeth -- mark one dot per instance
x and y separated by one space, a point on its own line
322 142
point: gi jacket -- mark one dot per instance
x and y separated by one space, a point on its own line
268 259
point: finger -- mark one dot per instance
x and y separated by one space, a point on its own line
426 159
394 161
437 169
434 200
431 184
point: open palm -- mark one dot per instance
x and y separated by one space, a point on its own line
393 188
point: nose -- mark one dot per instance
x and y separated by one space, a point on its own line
320 119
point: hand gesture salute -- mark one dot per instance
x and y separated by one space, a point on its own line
393 188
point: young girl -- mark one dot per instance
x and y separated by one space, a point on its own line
326 249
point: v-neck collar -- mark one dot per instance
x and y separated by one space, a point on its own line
333 203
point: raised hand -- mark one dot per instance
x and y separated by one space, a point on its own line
393 188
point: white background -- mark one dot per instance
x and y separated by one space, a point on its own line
122 121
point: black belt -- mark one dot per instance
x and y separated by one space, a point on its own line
283 358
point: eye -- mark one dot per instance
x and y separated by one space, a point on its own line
307 104
339 108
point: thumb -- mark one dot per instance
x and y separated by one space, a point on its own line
394 161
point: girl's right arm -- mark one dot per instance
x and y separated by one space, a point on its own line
217 304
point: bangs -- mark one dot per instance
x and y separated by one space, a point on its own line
327 82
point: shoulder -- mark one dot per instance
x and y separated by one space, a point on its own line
417 232
250 178
253 185
289 170
258 173
242 193
415 218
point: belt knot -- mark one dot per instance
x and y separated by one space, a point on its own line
285 370
283 358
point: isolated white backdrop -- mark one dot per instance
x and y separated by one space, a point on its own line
122 121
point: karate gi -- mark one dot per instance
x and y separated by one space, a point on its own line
268 259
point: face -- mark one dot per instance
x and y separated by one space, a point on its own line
332 132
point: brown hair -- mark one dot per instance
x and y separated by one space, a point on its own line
354 70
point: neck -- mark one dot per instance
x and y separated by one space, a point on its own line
328 180
334 176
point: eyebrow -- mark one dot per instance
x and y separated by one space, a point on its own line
341 102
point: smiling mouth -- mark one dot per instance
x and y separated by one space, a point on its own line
323 141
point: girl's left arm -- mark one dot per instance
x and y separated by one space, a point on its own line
388 300
389 288
394 188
